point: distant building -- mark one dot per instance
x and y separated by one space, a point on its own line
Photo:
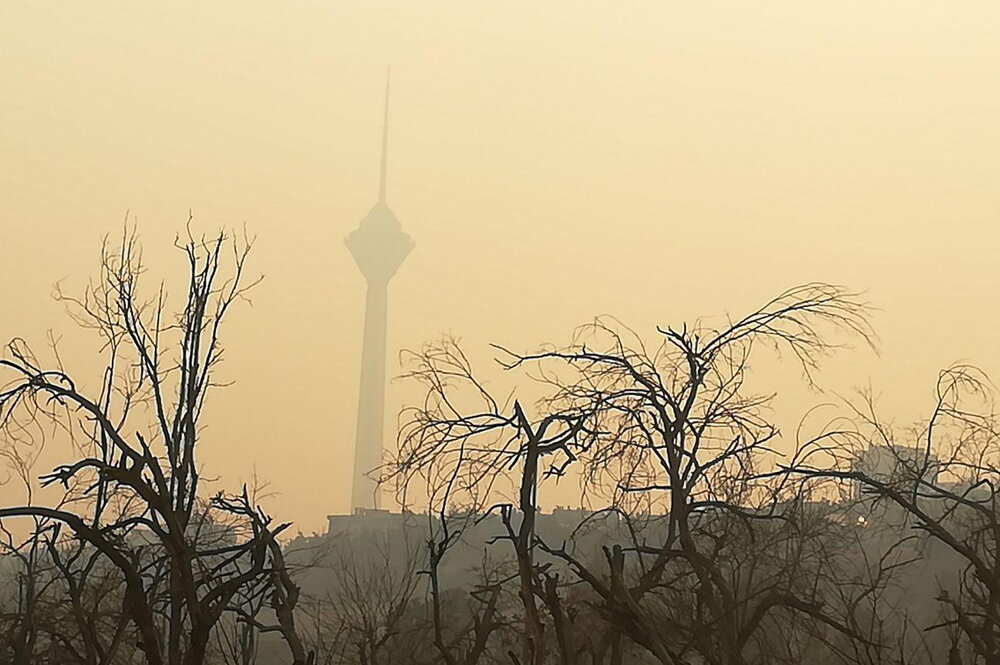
896 465
369 521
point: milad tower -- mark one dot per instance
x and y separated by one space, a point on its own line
379 247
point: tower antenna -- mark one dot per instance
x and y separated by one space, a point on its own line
385 140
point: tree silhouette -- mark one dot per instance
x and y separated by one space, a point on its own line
671 428
133 495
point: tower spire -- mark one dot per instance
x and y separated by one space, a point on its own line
385 140
379 247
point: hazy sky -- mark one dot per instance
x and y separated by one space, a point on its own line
657 161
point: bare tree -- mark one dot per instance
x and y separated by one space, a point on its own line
670 430
372 583
133 495
278 591
463 642
940 477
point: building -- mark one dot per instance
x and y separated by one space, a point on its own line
895 465
379 247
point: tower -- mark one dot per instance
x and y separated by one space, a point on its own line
379 247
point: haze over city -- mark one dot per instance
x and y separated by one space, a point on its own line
554 161
394 332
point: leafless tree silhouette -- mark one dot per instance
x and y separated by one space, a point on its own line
942 480
369 592
670 429
132 497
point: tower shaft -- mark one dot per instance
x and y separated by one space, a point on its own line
369 441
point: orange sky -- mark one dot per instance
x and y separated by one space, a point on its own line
653 160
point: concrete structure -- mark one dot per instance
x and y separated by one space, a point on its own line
895 464
379 247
